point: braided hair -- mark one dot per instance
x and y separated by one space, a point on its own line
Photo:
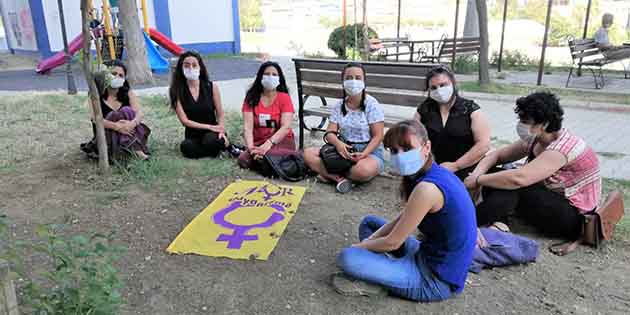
344 110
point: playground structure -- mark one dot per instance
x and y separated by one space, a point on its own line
103 30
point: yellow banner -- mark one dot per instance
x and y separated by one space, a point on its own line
245 221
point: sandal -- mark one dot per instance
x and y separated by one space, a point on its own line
500 226
347 286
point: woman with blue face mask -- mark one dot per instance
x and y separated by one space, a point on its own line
457 127
356 127
389 257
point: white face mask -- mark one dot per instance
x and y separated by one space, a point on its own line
270 82
116 82
353 87
191 74
523 132
442 94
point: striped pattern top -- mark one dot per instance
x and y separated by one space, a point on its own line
578 180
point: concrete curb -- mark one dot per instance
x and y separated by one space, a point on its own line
586 104
8 300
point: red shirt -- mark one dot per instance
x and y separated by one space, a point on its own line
267 120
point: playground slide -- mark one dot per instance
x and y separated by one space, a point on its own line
156 61
165 42
59 59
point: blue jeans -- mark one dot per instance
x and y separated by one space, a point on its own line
407 276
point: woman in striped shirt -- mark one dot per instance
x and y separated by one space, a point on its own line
559 182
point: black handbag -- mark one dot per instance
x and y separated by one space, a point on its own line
333 161
282 163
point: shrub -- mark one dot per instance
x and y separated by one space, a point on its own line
81 278
335 40
466 64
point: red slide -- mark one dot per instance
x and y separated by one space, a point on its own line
59 58
165 42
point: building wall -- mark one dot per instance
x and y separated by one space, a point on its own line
20 30
72 14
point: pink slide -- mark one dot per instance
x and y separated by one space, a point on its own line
165 42
59 58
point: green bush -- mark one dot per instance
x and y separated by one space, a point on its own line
466 64
335 40
80 278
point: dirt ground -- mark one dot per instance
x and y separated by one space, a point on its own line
57 184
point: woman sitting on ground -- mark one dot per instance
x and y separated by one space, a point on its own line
559 182
267 115
458 129
437 204
124 131
359 119
197 103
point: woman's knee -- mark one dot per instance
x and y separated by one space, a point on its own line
364 170
188 148
311 157
348 259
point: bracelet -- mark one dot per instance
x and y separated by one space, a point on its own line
272 142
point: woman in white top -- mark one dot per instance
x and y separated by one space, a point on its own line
359 119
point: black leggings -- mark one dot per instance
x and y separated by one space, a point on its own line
546 210
207 146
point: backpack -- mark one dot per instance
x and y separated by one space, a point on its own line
286 164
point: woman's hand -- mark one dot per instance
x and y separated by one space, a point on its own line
451 166
217 128
224 137
125 127
342 148
471 181
358 156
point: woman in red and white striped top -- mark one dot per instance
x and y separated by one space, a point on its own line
559 182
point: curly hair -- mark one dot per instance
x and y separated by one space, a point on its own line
540 108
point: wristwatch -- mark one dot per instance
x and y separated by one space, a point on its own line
272 142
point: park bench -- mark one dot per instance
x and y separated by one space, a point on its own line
586 54
463 47
402 84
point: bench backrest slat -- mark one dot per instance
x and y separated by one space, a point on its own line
383 97
387 81
391 83
583 48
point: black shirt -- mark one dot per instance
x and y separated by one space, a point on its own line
201 111
451 140
105 109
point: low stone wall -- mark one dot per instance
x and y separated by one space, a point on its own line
8 300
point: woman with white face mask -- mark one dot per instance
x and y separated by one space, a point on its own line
559 182
124 131
358 119
197 103
267 116
389 257
457 127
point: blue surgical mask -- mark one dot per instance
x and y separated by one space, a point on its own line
407 163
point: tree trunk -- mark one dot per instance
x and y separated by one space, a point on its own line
137 61
365 32
484 66
93 97
471 24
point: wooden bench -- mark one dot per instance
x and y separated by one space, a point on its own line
585 53
461 46
402 84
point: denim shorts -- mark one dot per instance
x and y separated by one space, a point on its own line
377 154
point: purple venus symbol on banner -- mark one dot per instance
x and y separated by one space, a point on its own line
236 239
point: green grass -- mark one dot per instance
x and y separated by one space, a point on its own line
513 89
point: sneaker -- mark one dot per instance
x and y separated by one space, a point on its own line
344 186
234 150
347 286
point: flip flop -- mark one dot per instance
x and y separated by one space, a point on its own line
347 286
500 226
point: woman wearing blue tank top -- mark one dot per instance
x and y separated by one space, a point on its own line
389 258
